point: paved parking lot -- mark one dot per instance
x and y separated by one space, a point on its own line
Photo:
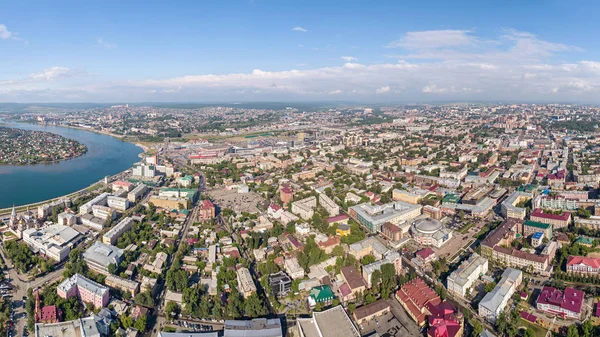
238 202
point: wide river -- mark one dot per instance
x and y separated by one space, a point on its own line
106 155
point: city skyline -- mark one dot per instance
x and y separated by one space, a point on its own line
270 51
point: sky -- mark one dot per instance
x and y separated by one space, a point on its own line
253 50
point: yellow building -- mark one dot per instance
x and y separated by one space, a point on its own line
342 230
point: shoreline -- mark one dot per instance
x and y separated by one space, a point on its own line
20 208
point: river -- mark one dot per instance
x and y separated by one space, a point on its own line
106 155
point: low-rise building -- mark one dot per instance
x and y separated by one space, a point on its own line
137 193
100 256
332 322
418 299
373 217
54 241
85 290
280 284
461 280
246 285
305 208
129 286
329 205
115 233
494 302
511 206
556 220
583 265
566 304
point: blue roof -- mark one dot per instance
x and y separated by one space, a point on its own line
538 235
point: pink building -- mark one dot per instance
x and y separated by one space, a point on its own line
85 289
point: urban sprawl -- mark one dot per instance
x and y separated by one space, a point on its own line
420 220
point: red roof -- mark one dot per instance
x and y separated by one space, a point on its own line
425 253
443 322
538 212
417 296
571 299
353 277
528 317
207 204
588 261
275 207
50 313
286 190
337 218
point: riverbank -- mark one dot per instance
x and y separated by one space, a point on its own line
37 184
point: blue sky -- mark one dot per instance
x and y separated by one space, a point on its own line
372 51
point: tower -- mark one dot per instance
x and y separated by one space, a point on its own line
13 217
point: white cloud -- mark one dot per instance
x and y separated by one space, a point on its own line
105 44
299 29
516 66
383 90
5 34
53 73
433 39
300 46
349 58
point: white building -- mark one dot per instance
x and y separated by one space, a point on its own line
54 241
118 203
143 170
67 219
99 200
329 205
495 301
292 267
305 207
470 270
111 237
136 193
103 212
246 285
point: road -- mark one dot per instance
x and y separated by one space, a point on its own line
160 319
20 285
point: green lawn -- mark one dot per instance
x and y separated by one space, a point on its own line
539 331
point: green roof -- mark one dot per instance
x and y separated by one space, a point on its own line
451 198
527 188
321 293
585 240
537 224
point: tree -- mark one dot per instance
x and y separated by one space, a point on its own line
572 331
367 259
254 306
529 333
126 321
141 324
477 327
172 308
490 286
587 328
112 268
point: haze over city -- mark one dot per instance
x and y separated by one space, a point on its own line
384 51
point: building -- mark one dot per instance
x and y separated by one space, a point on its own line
280 284
137 193
343 230
246 285
86 290
67 219
54 241
583 265
432 212
305 208
510 207
391 231
374 216
286 195
143 170
537 239
292 267
592 222
263 327
418 299
565 304
494 302
371 311
513 257
98 200
111 237
80 327
368 246
100 256
46 209
406 196
430 232
353 281
329 205
117 203
502 235
461 280
391 257
207 210
532 227
126 285
556 220
321 294
103 212
120 185
332 322
445 321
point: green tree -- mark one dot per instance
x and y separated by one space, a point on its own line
254 306
141 324
172 308
572 331
489 287
477 327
